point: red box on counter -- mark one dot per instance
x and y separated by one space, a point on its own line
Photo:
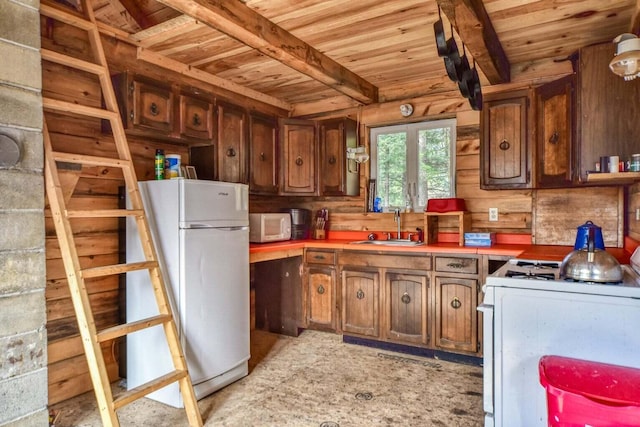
451 204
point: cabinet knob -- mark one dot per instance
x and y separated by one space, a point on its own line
456 265
360 294
504 145
231 152
321 289
554 138
406 299
154 109
263 157
196 120
455 303
299 161
332 160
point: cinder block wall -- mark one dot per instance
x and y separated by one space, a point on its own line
23 338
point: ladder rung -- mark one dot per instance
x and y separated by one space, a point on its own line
150 387
131 327
72 62
89 160
83 110
66 17
109 270
105 213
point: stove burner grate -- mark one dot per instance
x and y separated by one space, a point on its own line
529 275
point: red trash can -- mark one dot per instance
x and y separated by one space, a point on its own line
590 394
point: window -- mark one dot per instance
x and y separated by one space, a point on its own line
414 162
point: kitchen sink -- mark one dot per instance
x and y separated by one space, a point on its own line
391 242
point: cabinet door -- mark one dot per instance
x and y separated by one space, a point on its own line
609 109
263 165
407 307
321 297
299 147
554 105
152 107
505 158
232 144
456 315
196 118
338 176
360 296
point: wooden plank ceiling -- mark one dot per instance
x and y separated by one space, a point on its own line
332 54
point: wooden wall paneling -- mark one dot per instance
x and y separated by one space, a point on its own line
633 203
68 371
559 212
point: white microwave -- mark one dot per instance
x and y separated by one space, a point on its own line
269 227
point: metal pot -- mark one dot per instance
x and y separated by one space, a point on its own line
591 264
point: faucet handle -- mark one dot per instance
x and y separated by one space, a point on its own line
388 235
410 234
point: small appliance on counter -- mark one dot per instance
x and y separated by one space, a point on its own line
300 223
269 227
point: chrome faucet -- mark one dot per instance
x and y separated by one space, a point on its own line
396 218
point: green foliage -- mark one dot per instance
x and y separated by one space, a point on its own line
431 163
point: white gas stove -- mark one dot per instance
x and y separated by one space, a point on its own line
529 312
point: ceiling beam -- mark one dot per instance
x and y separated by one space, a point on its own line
472 23
237 20
132 8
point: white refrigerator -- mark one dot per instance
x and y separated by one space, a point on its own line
201 233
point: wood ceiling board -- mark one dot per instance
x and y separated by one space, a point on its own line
153 36
244 24
164 62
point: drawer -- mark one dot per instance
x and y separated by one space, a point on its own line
312 256
456 264
364 259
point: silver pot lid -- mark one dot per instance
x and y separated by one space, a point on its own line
597 266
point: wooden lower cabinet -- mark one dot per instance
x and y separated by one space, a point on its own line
456 302
407 299
321 297
360 302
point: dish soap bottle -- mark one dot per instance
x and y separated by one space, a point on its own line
408 205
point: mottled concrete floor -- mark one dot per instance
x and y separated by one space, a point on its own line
316 380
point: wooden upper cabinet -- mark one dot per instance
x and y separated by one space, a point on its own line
263 155
555 130
196 117
159 110
232 142
151 106
609 110
504 154
299 152
338 176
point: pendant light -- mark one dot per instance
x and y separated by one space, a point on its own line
626 62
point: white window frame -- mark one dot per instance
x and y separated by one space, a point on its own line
412 130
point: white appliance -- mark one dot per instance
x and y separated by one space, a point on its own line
200 230
269 227
534 313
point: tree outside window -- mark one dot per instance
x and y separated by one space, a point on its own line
413 163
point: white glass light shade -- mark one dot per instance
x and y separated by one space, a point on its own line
626 63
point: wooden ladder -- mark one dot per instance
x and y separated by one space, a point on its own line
76 275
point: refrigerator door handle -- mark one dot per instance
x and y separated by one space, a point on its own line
207 226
